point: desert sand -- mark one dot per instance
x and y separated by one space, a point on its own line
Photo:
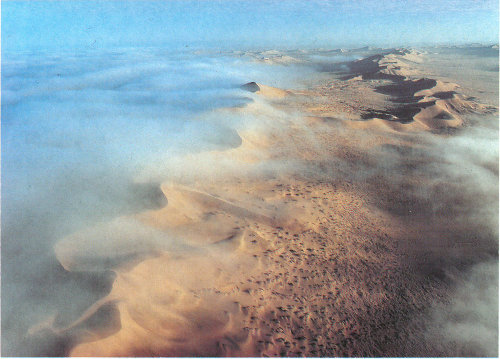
340 232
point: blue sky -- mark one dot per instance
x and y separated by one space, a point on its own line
35 25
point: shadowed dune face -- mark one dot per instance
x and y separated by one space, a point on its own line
315 235
407 89
251 86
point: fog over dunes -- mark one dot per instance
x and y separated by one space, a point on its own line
241 178
76 132
249 203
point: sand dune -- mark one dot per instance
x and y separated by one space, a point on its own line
421 103
266 91
273 57
318 249
253 282
393 65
